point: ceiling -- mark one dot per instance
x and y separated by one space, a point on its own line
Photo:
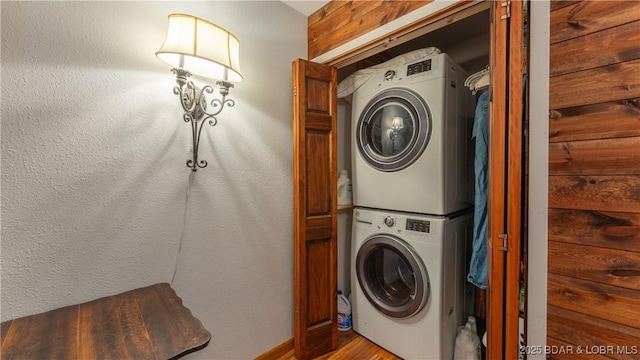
305 7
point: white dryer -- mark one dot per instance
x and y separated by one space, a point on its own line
410 276
412 132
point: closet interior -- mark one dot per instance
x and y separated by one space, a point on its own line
467 42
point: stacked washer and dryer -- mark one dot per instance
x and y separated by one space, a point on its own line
412 191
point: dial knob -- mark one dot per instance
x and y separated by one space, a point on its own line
389 221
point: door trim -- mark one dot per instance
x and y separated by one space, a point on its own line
503 216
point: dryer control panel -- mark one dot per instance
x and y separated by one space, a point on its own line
419 67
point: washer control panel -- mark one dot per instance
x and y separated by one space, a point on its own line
414 225
419 225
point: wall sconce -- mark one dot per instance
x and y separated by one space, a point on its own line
194 45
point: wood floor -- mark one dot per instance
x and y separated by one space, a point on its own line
351 346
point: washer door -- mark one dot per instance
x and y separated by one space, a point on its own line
392 276
393 129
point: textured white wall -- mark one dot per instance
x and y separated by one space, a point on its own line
538 211
94 176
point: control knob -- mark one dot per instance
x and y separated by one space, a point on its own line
389 221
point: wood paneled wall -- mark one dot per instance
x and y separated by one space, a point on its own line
594 178
341 21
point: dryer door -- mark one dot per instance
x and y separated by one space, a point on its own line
392 276
393 129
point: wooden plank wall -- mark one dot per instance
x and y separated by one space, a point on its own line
341 21
594 179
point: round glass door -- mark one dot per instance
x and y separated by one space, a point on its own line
392 276
393 130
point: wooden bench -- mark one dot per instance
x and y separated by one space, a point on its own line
145 323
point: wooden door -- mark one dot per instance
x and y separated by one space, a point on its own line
505 178
314 209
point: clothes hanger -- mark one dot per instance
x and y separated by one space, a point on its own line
478 80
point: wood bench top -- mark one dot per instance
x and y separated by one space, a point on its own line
145 323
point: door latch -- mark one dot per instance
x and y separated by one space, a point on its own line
504 238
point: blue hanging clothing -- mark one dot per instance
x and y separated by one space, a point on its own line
478 267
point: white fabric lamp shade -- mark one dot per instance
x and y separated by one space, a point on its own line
201 48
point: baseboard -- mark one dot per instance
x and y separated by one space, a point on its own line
278 351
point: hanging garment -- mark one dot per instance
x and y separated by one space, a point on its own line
477 81
478 267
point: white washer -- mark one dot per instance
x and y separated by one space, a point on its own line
410 276
412 132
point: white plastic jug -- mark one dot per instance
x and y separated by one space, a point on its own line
344 312
471 320
345 192
472 326
465 348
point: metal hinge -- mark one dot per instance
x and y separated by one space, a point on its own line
506 4
504 238
295 91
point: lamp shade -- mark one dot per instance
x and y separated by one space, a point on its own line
202 48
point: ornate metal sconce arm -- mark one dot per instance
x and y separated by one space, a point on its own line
196 108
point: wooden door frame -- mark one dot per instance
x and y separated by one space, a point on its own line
505 163
505 206
515 187
496 192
